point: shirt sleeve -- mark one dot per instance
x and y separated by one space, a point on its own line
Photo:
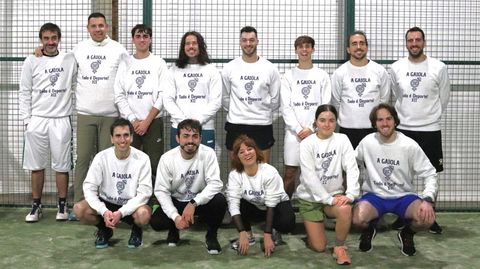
170 98
310 177
349 165
273 185
144 188
214 98
226 89
212 179
91 185
25 94
275 86
163 186
336 90
234 192
120 92
163 84
288 113
444 87
385 85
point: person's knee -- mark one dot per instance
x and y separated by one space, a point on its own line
142 216
344 212
317 246
80 209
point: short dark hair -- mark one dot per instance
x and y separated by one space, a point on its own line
304 39
390 108
415 29
189 124
249 142
121 122
50 27
325 107
357 32
96 15
202 57
248 29
142 28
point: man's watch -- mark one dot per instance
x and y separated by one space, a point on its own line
193 202
428 199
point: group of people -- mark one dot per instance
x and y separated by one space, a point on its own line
120 100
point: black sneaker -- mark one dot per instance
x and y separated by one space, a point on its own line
366 238
212 245
405 236
102 237
173 237
135 238
435 228
398 224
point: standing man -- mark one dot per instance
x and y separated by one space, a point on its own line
251 89
139 87
117 187
422 91
304 88
98 58
393 160
195 90
189 184
46 89
357 86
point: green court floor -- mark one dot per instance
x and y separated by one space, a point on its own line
51 244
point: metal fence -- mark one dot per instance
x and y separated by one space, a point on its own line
451 32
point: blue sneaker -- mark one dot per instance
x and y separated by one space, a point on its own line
72 216
102 237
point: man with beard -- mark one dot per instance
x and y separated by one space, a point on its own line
357 86
195 88
422 91
393 161
188 184
251 94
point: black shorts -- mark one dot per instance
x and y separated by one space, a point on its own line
261 134
114 207
356 135
431 143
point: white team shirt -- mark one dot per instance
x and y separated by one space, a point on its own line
356 90
126 182
139 86
422 92
194 92
251 91
265 189
97 67
303 90
322 162
46 86
392 167
184 180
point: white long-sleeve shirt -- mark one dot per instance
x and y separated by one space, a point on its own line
322 162
126 182
139 86
356 90
97 67
251 91
303 90
46 86
194 92
264 189
392 167
422 92
184 180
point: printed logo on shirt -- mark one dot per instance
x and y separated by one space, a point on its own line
140 80
188 178
54 78
95 65
255 196
387 173
192 84
306 91
122 181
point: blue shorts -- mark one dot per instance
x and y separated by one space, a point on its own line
397 206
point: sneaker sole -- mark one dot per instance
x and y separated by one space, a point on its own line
133 246
213 251
172 245
101 246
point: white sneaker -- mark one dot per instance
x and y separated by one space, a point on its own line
236 242
35 214
62 216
